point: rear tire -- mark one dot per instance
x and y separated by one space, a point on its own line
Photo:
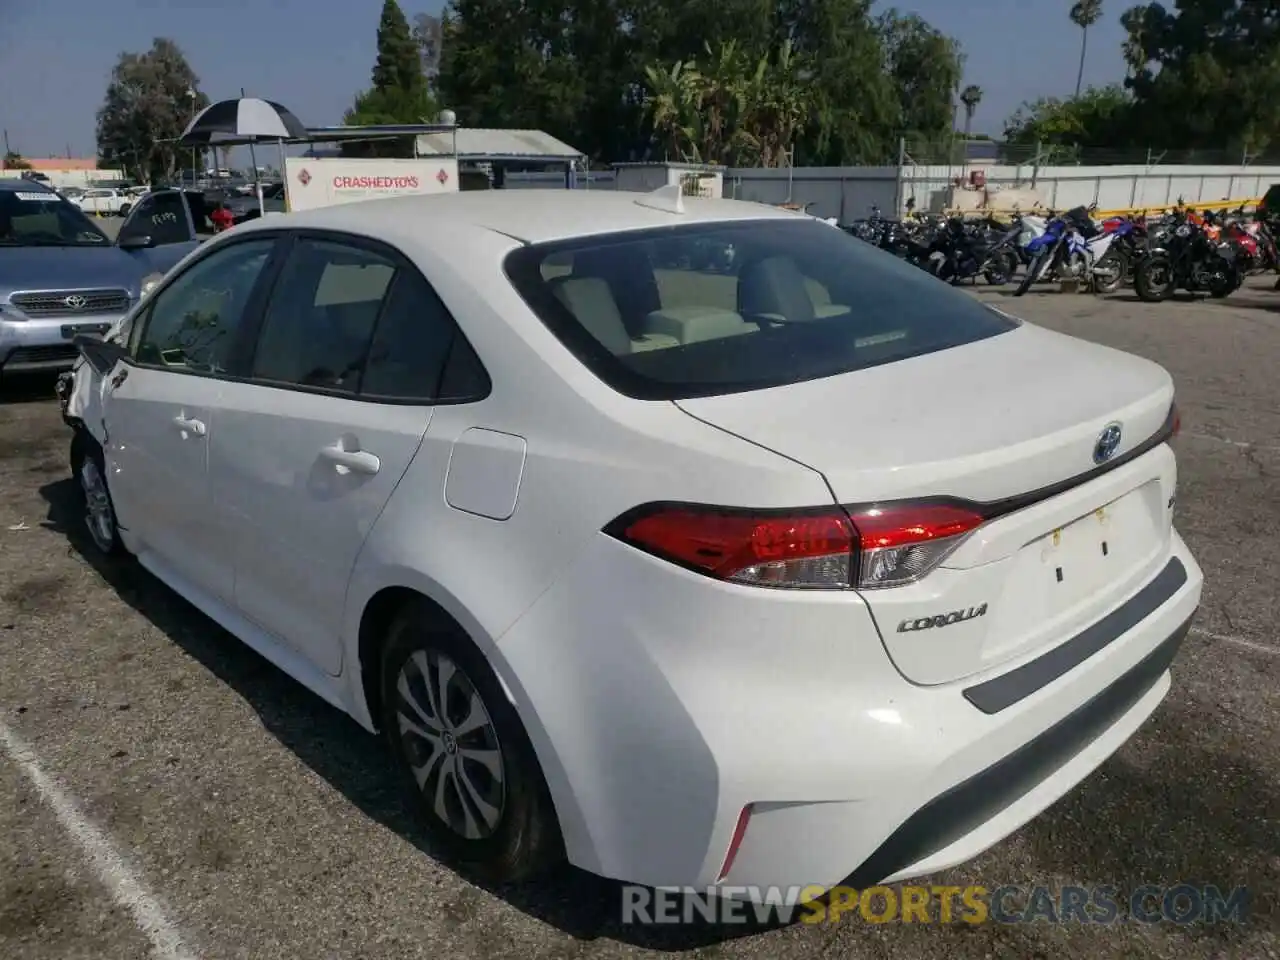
1002 268
1230 282
124 210
89 468
1116 263
464 759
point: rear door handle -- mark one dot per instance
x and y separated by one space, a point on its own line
194 427
351 461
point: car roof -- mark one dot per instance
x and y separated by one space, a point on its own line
25 186
531 216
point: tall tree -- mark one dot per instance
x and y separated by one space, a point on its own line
579 69
854 108
427 36
925 67
1206 74
399 63
399 94
1133 48
1098 117
1084 14
150 99
970 97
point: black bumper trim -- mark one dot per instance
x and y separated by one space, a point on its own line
1007 689
964 807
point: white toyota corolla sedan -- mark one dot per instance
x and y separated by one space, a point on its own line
693 540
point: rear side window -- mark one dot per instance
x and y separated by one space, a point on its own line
411 343
166 219
726 307
348 319
319 322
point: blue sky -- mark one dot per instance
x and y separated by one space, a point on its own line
313 55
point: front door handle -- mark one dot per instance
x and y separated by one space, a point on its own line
193 427
351 461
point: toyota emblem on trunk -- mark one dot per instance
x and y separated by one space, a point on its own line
75 301
1107 444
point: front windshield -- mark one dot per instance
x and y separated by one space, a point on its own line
40 219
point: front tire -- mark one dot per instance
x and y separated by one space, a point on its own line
462 753
1154 280
88 466
1033 273
124 210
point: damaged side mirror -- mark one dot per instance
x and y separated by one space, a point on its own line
100 354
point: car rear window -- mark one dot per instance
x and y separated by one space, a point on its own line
722 308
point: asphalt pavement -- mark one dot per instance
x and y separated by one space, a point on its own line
164 791
109 225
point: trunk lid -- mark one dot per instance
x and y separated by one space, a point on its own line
1013 418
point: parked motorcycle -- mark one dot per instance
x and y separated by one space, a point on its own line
965 251
1188 258
1073 247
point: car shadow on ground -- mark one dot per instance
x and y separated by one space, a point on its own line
27 388
580 904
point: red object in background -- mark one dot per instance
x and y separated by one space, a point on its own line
222 219
1111 224
978 178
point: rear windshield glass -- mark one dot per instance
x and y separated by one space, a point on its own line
727 307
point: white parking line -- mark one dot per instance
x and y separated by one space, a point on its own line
1237 641
123 883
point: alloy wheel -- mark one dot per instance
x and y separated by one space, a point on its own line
451 744
98 516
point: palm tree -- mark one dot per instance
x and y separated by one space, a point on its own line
970 96
1084 14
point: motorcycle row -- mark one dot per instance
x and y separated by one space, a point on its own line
1208 252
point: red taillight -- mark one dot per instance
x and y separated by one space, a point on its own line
877 546
900 543
804 549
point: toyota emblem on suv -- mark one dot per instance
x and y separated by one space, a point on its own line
75 302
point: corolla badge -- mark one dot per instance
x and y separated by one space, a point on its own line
75 302
1108 442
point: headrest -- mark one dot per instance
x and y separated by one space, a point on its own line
775 286
591 302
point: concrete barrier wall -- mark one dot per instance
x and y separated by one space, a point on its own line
849 193
1112 187
70 178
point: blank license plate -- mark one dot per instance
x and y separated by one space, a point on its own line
70 330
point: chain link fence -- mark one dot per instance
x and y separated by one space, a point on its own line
976 151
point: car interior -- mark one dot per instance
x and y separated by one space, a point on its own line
317 334
631 307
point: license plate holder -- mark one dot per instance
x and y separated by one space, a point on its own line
72 330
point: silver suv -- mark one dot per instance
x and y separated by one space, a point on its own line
60 275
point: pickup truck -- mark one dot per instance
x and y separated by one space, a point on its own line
106 202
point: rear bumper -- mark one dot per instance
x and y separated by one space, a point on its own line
36 346
662 703
938 830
